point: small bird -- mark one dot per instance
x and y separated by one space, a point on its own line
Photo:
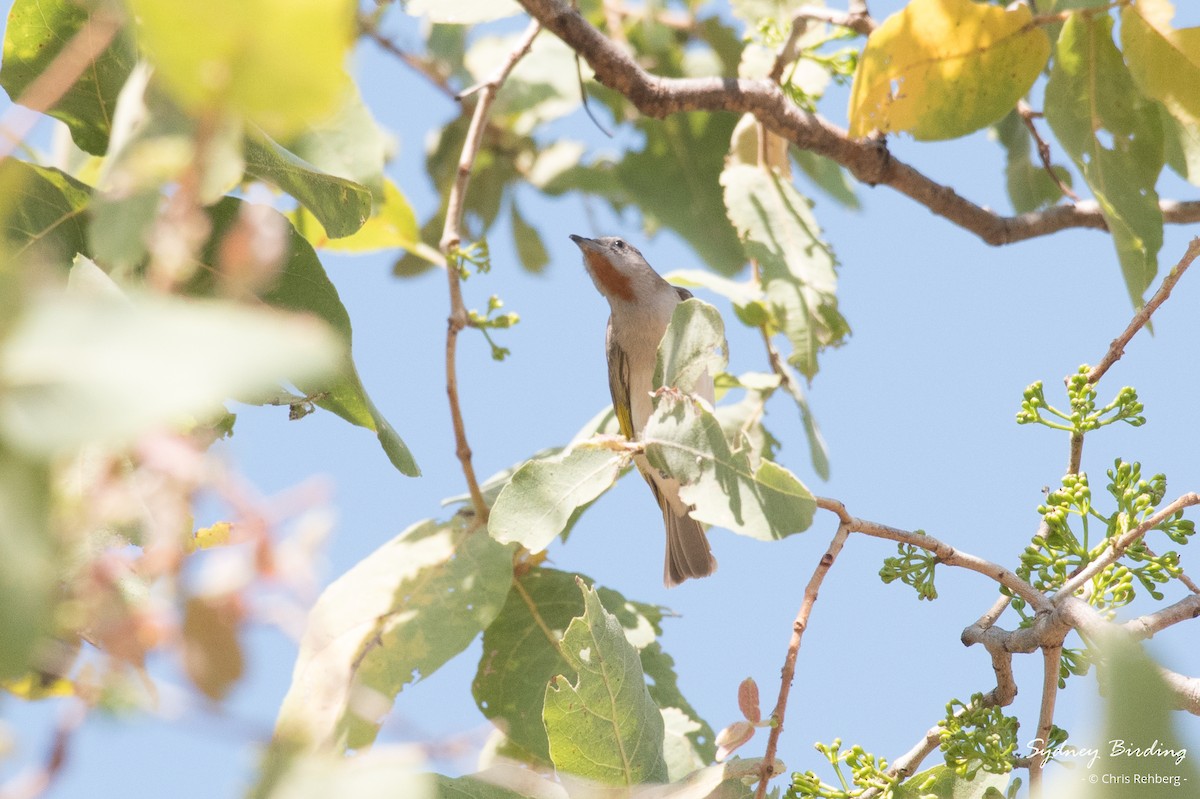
642 304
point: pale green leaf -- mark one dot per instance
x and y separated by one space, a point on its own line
941 782
340 205
799 280
1164 62
81 369
349 144
395 617
763 501
304 286
543 495
601 722
1181 146
36 34
477 787
278 63
383 773
1090 91
28 574
692 347
462 12
542 86
682 155
941 69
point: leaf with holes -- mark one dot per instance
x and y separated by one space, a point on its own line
940 69
762 500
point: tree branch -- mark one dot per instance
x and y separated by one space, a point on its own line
945 553
1051 657
451 239
788 673
1146 626
867 159
1117 348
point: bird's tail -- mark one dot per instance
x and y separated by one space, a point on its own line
688 553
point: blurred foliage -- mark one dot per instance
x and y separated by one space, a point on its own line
166 259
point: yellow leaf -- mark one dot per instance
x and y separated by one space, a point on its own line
216 535
392 225
940 69
279 63
36 686
1164 62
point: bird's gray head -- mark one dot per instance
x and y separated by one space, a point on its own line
618 269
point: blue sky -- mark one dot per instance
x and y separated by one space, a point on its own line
917 408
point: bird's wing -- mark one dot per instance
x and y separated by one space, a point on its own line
618 383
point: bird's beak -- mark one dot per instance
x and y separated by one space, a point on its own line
585 244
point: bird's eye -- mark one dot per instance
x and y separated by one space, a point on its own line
620 245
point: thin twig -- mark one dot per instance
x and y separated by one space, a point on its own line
867 159
856 18
788 673
1117 348
945 553
1043 149
451 239
423 68
1051 658
53 82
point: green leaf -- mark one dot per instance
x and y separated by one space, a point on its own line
763 501
941 69
531 252
542 87
462 12
81 368
37 32
683 153
778 231
340 205
279 64
28 576
543 495
1090 91
396 617
304 286
692 347
1030 187
828 176
522 653
349 144
471 787
44 212
602 723
1164 62
379 774
1181 146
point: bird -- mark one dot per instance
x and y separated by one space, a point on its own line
641 304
